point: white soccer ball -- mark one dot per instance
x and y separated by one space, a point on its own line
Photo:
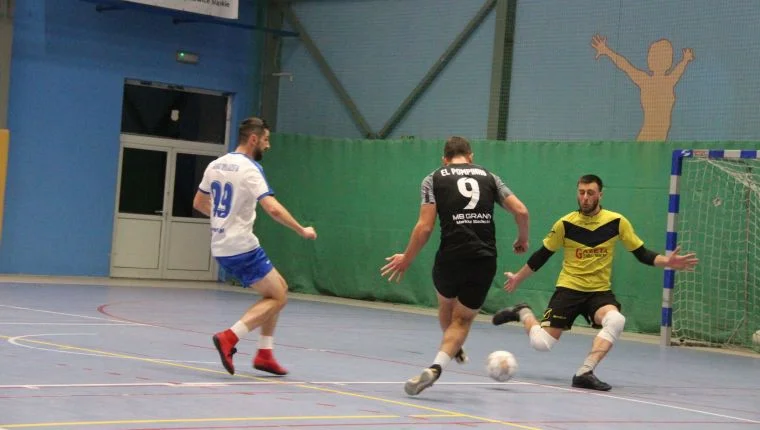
501 365
756 338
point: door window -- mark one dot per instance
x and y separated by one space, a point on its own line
189 170
143 174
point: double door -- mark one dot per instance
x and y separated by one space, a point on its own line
157 233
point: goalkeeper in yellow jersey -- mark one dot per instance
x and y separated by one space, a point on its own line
588 238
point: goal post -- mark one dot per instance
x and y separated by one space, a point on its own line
714 211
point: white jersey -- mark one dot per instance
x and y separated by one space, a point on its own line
236 183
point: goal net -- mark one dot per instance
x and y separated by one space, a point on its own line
714 212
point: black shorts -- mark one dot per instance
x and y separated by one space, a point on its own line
566 304
466 280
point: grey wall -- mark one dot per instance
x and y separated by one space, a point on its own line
380 50
560 92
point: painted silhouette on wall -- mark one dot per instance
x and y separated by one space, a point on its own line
657 86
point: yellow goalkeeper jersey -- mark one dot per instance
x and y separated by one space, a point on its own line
589 243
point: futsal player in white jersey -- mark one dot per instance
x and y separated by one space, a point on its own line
231 187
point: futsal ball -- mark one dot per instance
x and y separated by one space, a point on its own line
501 365
756 339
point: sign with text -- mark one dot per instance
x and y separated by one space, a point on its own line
220 8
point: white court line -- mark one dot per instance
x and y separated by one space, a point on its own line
229 384
15 341
132 384
645 402
67 324
401 382
63 313
651 403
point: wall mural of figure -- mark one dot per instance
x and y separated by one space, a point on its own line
657 86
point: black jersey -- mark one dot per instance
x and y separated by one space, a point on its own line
464 195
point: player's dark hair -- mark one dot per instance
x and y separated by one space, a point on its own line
455 146
590 179
251 126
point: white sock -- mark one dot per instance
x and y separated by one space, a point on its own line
524 313
442 359
588 366
266 342
240 329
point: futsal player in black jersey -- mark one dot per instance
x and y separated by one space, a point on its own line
462 195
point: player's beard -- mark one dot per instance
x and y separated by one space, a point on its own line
591 207
258 154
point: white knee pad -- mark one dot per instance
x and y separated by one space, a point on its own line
612 325
540 340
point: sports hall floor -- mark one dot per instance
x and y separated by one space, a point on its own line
110 354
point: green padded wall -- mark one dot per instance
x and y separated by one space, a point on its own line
363 198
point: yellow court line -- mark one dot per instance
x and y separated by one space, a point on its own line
304 385
230 419
4 143
427 408
196 420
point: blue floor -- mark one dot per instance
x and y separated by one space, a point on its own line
97 357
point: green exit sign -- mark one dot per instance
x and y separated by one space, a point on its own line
187 57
